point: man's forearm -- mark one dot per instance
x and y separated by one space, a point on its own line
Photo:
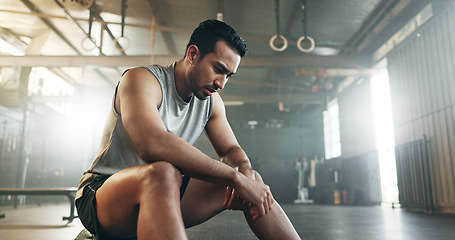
189 160
236 158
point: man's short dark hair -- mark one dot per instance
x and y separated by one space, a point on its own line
209 32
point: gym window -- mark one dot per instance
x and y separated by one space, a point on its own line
332 130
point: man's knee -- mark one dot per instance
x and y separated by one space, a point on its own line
162 173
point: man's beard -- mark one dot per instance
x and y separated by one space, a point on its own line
193 78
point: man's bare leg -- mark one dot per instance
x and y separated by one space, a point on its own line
143 199
274 225
203 200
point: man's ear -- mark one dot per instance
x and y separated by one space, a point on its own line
192 54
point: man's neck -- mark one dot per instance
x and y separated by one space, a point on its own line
181 81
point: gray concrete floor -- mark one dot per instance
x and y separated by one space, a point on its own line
313 222
33 222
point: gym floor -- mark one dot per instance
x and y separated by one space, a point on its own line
313 222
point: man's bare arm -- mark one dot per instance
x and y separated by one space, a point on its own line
223 139
228 149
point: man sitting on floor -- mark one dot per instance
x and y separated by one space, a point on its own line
139 183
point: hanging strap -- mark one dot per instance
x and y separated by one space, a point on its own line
304 17
277 19
116 40
305 36
90 22
89 37
124 6
272 40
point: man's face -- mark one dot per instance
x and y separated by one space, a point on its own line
213 71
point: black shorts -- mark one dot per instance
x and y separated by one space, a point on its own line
86 204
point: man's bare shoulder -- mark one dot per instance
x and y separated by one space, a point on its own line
139 79
218 106
139 83
138 75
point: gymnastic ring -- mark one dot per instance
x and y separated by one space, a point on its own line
299 44
92 39
285 43
122 49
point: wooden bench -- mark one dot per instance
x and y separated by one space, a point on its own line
70 192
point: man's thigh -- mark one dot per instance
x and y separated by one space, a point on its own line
201 201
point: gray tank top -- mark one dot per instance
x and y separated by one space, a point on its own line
183 119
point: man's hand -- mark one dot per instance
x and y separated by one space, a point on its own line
251 195
232 199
